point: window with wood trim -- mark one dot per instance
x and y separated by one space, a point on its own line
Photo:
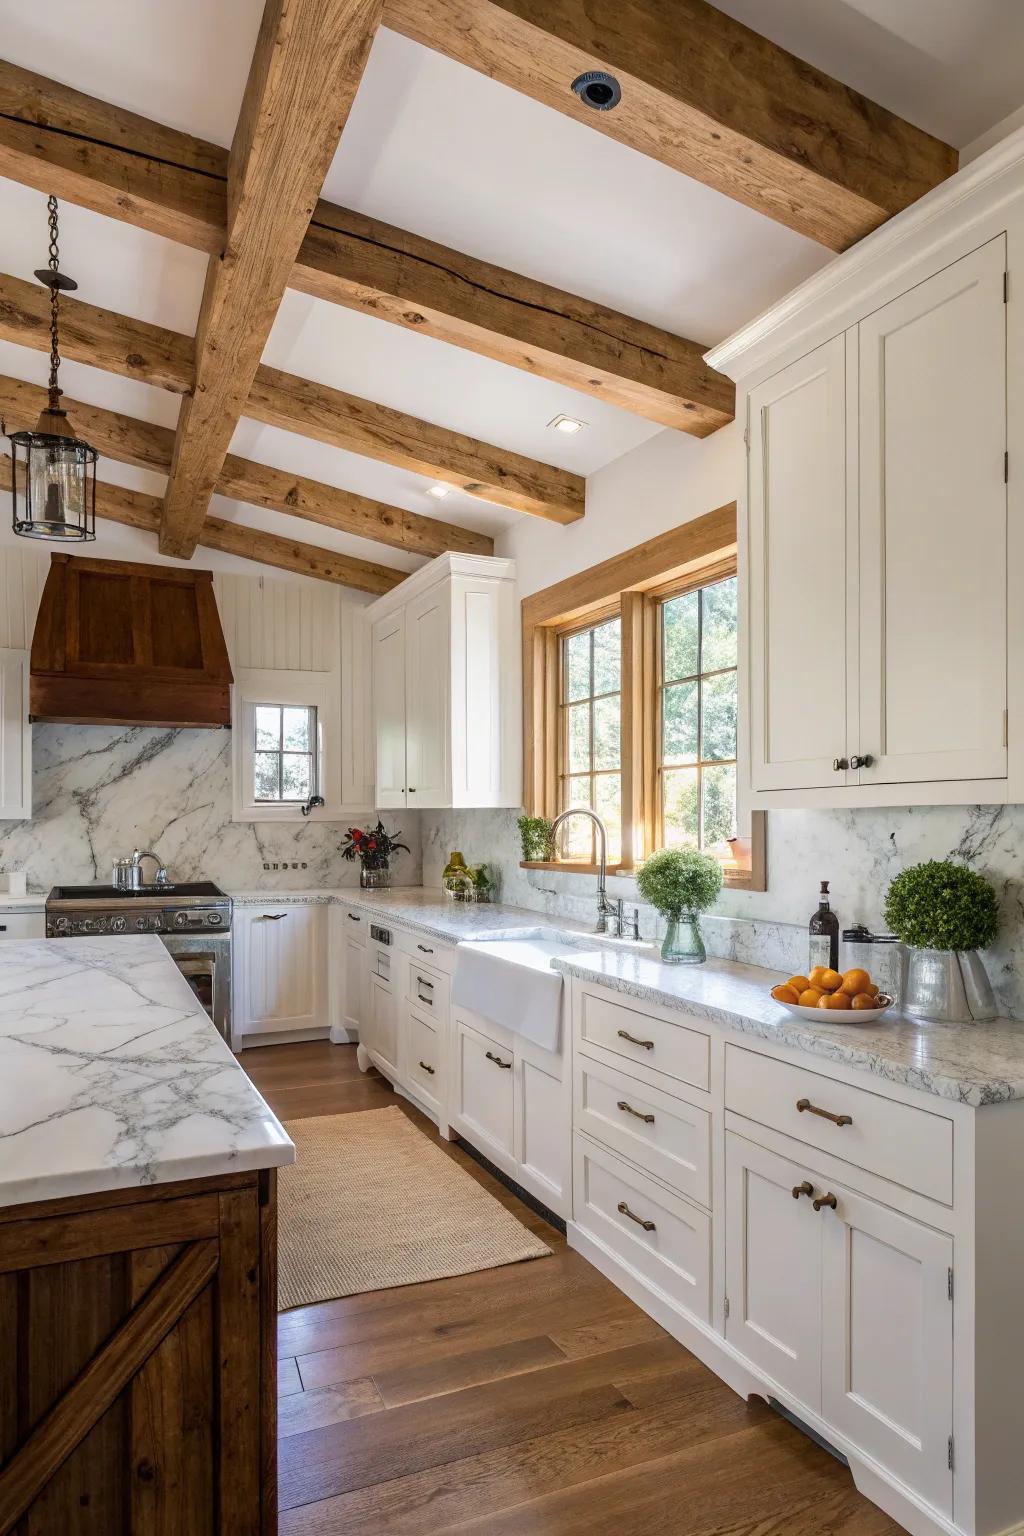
630 691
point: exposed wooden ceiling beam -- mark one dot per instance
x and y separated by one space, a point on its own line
149 446
136 509
705 95
153 355
364 264
306 68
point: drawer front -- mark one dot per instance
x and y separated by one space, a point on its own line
355 924
383 961
428 990
486 1094
666 1136
900 1142
424 1057
441 957
664 1239
674 1049
22 925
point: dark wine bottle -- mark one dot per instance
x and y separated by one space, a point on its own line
823 946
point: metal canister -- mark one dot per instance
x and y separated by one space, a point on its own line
880 954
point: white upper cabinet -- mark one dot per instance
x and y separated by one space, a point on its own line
798 588
446 687
15 738
933 527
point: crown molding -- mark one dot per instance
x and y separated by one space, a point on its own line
443 568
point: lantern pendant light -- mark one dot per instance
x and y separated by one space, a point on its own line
53 486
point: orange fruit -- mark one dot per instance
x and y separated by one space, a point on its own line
856 981
798 983
835 1000
872 988
785 994
831 981
815 978
864 1000
811 998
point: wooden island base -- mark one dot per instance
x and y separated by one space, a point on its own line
138 1362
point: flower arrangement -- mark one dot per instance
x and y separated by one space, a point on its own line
678 881
538 839
941 905
374 848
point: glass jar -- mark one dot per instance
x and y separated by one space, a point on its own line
683 943
880 954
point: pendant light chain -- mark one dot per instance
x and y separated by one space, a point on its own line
51 206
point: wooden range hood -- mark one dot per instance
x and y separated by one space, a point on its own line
122 644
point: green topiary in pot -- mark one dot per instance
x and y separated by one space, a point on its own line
538 838
680 884
944 913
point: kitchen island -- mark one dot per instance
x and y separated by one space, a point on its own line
137 1252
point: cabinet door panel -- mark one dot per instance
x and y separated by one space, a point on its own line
546 1131
773 1268
15 738
887 1349
389 709
798 572
485 1093
933 527
382 1013
283 958
355 984
427 669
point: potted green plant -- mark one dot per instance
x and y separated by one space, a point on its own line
682 885
944 913
538 839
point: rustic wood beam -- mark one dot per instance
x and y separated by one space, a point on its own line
136 509
364 264
149 446
705 95
306 68
153 355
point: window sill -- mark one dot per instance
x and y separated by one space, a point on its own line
567 867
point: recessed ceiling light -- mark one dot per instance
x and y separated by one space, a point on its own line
439 491
567 424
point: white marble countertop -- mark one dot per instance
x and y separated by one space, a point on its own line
112 1076
973 1064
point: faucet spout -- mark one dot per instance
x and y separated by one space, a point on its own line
605 908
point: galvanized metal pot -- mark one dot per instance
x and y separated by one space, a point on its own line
947 986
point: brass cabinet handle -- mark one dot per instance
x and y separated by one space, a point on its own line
629 1110
498 1061
824 1114
425 949
829 1200
648 1226
272 917
426 1068
624 1034
421 981
802 1189
352 917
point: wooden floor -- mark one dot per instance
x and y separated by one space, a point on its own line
533 1400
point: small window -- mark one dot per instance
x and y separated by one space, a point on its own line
591 722
697 718
284 753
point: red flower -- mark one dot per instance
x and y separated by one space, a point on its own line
356 835
372 843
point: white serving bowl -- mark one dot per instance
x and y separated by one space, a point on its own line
840 1015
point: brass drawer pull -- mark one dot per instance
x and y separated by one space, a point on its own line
629 1110
426 1068
272 917
824 1114
421 981
829 1200
498 1061
802 1189
624 1034
648 1226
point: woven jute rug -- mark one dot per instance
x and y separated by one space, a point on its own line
370 1203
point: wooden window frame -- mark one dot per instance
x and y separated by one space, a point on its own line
634 584
579 627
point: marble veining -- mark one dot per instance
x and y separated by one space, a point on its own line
974 1064
112 1076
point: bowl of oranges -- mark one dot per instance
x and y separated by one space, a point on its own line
836 997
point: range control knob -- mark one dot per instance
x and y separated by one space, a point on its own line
214 919
140 923
181 919
118 924
62 925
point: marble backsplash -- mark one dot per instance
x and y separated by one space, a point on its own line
857 851
101 791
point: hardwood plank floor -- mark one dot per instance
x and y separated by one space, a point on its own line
534 1400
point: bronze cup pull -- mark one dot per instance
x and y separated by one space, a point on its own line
426 1068
629 1110
624 1034
498 1061
648 1226
825 1114
829 1200
806 1188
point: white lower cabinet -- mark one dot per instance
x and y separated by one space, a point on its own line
379 1034
22 925
280 969
484 1092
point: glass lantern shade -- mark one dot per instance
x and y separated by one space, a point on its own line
53 486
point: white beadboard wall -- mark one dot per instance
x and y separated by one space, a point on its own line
273 625
22 573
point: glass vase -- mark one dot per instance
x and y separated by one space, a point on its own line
682 944
374 879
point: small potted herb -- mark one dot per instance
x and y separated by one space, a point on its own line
682 885
944 913
538 839
373 849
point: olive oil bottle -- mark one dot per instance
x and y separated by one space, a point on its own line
823 929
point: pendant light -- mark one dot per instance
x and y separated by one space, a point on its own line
53 487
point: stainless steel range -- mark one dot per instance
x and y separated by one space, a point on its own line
193 920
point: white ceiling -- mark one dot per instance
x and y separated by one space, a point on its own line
450 154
